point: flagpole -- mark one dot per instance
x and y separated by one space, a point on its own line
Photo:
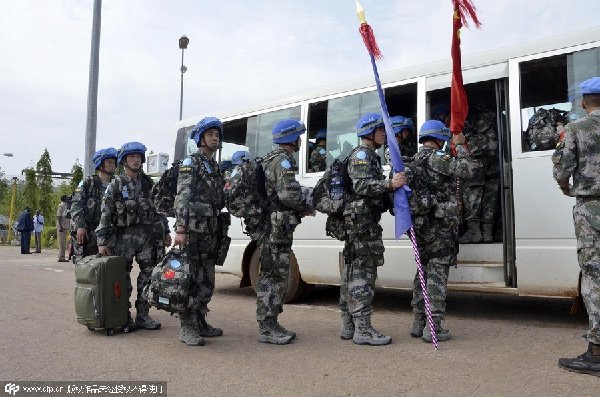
403 218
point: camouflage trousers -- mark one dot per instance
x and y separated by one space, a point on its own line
200 250
136 242
586 215
362 255
479 200
438 250
89 247
276 246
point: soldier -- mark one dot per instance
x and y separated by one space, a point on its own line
287 204
87 200
126 224
403 127
480 193
577 156
198 204
434 207
441 112
318 157
363 248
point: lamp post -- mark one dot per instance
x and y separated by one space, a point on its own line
12 210
183 43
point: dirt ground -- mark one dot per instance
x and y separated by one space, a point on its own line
501 345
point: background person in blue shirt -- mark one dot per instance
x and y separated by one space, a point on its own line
38 227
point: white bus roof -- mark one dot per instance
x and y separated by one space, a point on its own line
436 68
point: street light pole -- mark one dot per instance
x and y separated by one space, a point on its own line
183 43
92 102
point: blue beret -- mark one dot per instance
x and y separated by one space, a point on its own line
591 86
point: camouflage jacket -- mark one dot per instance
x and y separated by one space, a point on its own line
318 159
283 190
86 203
200 197
125 203
369 185
578 155
440 171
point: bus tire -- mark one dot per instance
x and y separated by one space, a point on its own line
296 286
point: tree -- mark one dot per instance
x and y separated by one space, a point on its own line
44 182
76 175
30 192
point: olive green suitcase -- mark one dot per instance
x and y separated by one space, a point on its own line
101 300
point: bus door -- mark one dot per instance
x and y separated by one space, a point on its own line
486 200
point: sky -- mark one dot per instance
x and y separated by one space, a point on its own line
240 53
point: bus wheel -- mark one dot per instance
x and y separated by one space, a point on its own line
296 286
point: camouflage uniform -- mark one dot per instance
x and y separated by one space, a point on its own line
578 156
286 205
318 159
432 173
480 193
198 203
160 230
126 227
363 249
85 213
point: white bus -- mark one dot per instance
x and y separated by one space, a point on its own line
534 253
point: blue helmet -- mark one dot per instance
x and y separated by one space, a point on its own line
103 154
321 135
590 86
131 148
288 131
400 122
434 129
239 156
439 109
368 123
206 124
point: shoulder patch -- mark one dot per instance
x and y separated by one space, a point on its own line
322 151
286 164
361 155
187 161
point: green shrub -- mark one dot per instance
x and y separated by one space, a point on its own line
49 237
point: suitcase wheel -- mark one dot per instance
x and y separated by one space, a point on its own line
91 329
110 332
126 329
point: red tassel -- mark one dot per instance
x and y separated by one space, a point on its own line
466 10
369 39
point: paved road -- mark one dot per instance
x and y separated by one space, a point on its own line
501 346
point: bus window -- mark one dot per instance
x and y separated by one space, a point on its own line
402 101
317 125
342 115
253 134
544 102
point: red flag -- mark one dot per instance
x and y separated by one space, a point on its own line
459 107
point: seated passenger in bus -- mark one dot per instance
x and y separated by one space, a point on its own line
318 157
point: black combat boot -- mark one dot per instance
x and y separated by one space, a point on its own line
347 330
587 363
365 334
417 326
190 333
206 329
269 332
143 319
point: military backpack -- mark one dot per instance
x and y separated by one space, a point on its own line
542 132
245 193
330 195
170 282
164 191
